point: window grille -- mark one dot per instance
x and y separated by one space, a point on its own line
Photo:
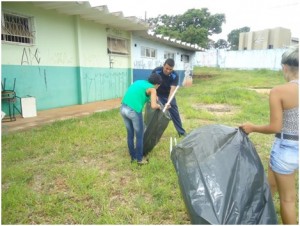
17 29
185 58
148 52
117 46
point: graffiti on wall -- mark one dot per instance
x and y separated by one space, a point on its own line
187 69
33 57
147 64
139 64
30 57
106 85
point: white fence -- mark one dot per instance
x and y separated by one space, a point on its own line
246 59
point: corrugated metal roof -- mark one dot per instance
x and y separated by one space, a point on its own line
98 14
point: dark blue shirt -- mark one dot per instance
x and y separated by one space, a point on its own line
167 81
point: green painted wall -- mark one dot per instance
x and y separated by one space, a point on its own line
64 86
55 38
51 86
68 64
104 84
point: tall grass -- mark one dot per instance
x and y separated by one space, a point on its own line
78 171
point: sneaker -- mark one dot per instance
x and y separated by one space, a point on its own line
143 162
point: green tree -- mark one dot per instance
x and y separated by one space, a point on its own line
221 44
194 26
233 37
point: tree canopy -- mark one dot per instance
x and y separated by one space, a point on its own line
233 37
194 26
221 44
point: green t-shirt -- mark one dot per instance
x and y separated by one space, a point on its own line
136 96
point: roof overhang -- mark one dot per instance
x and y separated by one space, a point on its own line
168 41
98 14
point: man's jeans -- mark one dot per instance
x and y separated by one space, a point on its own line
174 114
134 125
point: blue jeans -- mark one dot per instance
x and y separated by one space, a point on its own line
174 114
134 126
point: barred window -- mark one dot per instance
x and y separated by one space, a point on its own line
117 46
17 29
185 58
148 52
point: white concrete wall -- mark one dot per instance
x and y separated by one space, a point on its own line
149 63
244 59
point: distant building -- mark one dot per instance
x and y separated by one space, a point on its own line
150 51
266 39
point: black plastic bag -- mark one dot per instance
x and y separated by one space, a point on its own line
221 178
156 121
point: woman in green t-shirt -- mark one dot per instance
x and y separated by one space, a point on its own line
138 93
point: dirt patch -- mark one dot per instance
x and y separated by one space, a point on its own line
261 90
203 76
217 109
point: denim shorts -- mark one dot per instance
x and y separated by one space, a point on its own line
284 157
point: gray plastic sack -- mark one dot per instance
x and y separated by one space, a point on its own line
221 178
155 122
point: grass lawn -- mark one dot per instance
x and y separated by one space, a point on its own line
78 171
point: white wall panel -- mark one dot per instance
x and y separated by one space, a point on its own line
246 59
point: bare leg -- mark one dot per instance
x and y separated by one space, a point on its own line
287 196
272 181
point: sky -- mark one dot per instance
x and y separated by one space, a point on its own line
256 14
